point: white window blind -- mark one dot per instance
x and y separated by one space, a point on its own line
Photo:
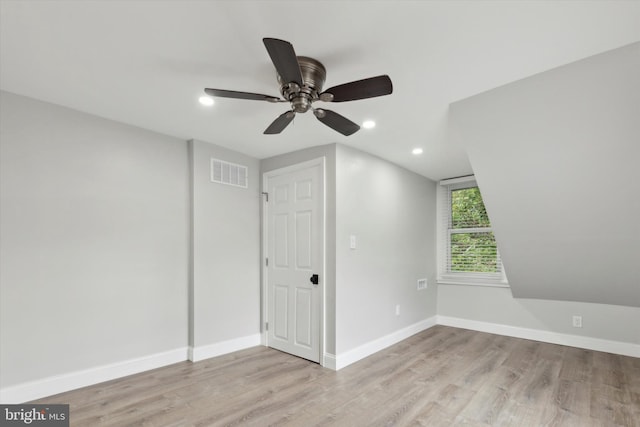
468 252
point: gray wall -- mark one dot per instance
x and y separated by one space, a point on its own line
95 228
94 219
556 156
497 306
392 213
225 285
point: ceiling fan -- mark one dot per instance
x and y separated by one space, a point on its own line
301 79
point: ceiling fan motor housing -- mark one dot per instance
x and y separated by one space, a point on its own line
313 77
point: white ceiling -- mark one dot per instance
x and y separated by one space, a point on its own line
146 63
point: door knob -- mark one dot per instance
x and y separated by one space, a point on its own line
314 279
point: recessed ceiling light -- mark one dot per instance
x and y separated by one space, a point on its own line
368 124
206 100
417 151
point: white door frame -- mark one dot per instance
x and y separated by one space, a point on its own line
320 161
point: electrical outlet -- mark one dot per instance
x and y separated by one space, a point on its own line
397 309
422 284
577 321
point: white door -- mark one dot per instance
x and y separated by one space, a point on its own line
295 258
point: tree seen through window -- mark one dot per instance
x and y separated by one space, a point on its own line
472 243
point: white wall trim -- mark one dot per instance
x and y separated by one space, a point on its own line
329 361
49 386
217 349
367 349
60 383
590 343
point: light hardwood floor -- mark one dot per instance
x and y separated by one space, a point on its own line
440 377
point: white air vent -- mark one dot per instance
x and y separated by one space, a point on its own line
229 173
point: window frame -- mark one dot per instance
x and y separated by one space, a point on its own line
445 276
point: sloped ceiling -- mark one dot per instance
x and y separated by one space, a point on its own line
146 63
556 158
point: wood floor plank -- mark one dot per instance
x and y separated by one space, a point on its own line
615 405
573 396
577 364
515 413
440 377
486 405
435 414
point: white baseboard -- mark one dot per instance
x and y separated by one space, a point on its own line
217 349
367 349
25 392
329 361
60 383
597 344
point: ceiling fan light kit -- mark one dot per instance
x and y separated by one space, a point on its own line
301 80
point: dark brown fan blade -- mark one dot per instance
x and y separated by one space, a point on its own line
284 59
280 123
360 89
336 122
241 95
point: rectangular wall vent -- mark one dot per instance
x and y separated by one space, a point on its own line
229 173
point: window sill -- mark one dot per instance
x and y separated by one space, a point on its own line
464 283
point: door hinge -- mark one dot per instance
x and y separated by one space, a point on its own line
266 262
266 326
264 193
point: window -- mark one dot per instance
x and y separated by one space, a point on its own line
468 253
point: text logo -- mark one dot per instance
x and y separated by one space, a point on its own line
55 415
